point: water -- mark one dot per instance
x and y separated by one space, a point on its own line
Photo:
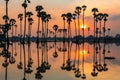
83 57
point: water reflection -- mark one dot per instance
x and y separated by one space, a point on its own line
36 60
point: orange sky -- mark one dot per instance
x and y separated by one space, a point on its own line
57 7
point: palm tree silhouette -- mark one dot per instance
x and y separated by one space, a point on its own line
24 5
78 11
38 74
12 23
69 19
94 10
48 17
84 8
43 17
6 27
20 17
74 18
100 17
39 8
104 28
20 65
64 18
30 22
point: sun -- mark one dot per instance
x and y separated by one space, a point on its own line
83 52
83 26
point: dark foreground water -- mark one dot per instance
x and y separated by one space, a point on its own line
60 61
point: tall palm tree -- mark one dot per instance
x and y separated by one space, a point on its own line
69 19
100 17
39 8
105 19
94 10
83 8
43 17
78 11
20 17
24 5
48 17
64 18
30 21
6 27
12 23
74 18
55 27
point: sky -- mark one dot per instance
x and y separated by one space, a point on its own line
58 7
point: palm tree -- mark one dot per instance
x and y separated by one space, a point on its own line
12 23
55 27
48 17
30 21
24 5
84 8
94 10
74 18
78 11
20 17
69 19
64 18
104 28
100 17
43 17
6 27
39 8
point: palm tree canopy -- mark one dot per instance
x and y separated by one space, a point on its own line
84 7
105 16
100 16
5 17
43 15
55 27
20 16
12 21
69 17
94 10
39 8
29 14
74 16
78 10
48 16
63 16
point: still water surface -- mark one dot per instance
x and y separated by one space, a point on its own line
61 61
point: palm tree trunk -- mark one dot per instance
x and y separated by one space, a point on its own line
24 25
38 29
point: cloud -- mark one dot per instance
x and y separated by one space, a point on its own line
115 17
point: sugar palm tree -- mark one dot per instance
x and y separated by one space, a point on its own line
48 17
100 18
64 19
20 17
43 17
69 19
12 23
30 21
39 8
94 10
105 19
74 18
24 5
83 8
20 65
78 11
6 27
55 28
